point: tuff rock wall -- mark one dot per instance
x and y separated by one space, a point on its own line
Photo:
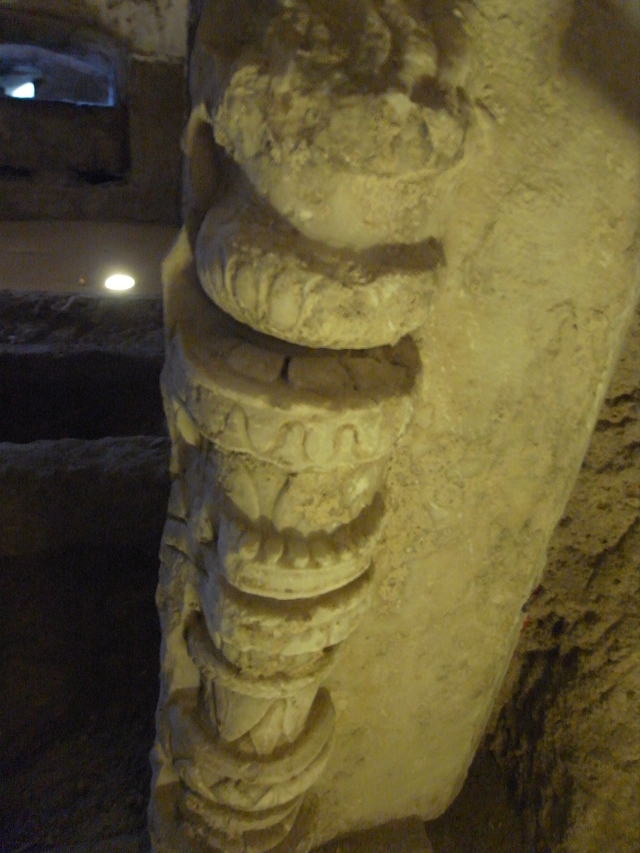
567 729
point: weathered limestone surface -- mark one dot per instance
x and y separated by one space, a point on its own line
155 28
279 455
517 353
282 426
402 836
508 135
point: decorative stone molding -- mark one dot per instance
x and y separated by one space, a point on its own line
290 406
289 378
275 512
335 114
259 269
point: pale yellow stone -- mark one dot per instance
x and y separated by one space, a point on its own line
534 199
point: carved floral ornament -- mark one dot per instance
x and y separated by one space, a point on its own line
318 145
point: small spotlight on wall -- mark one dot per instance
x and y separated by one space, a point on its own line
119 282
24 90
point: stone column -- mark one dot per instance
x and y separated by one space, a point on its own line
320 143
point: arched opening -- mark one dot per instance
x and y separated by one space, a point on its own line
33 72
62 95
49 57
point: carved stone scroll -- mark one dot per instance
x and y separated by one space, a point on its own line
289 377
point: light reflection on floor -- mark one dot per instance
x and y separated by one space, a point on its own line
77 257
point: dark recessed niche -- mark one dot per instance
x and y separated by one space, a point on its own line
48 58
79 367
14 172
62 98
85 395
83 77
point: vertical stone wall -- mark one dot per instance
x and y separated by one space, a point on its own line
155 30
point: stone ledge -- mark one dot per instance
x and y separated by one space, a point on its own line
64 323
56 493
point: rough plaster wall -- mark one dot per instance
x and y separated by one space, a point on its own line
569 733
